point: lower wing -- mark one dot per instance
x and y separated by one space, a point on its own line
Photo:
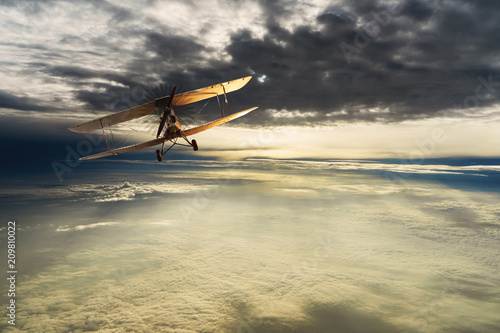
125 149
217 122
155 142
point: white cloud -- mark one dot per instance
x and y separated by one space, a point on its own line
105 192
64 228
166 222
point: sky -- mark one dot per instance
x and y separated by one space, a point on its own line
338 66
362 194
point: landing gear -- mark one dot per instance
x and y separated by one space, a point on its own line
161 152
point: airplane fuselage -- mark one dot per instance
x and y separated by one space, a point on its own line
172 125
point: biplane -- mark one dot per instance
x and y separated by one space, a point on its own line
169 129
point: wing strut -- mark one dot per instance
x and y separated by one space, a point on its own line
225 96
220 106
104 134
106 137
112 136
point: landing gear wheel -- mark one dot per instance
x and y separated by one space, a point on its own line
158 155
195 145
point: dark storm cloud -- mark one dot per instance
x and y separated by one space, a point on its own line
121 91
413 72
172 48
118 13
423 58
71 72
77 72
9 101
418 10
103 96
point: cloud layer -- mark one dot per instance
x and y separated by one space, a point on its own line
285 249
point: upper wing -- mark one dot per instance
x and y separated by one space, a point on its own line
217 122
125 149
208 92
115 118
145 109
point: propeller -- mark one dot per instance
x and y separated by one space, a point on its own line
165 111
